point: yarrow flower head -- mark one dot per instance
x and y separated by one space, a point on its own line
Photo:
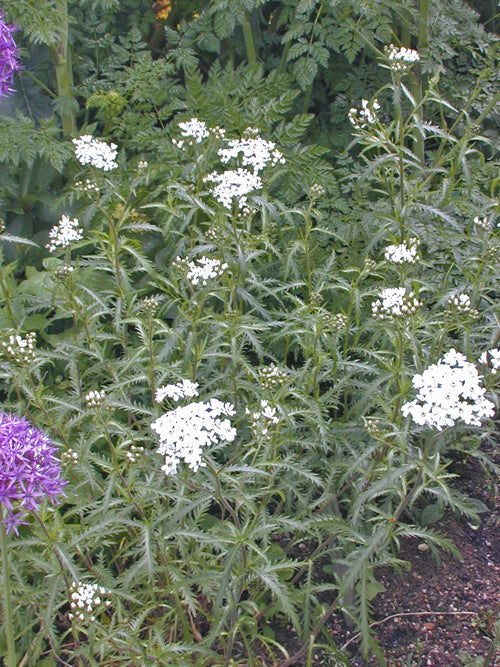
234 185
491 358
95 399
150 304
9 59
461 303
400 59
195 129
86 600
395 302
257 152
204 269
95 152
87 187
271 376
135 453
365 116
19 349
404 253
183 389
449 391
64 233
263 419
29 469
187 429
483 223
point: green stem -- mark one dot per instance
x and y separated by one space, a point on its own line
248 37
64 72
7 603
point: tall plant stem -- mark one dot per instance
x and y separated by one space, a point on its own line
248 37
7 603
64 73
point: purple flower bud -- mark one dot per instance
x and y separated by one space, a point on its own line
9 60
29 469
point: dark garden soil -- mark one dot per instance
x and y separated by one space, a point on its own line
441 612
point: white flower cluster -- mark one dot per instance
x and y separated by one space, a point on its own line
150 304
187 429
134 453
262 419
270 376
62 234
365 116
95 399
87 186
483 222
337 321
257 152
69 457
86 600
142 164
234 185
316 191
447 392
461 304
193 129
20 349
395 302
183 389
63 271
400 59
204 269
491 358
218 132
404 253
95 152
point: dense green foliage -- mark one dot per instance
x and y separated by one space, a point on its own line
289 521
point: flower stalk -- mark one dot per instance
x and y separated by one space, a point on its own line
7 602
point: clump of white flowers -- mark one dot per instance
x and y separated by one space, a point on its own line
87 186
95 152
483 222
461 304
69 457
395 302
449 391
400 59
20 349
134 453
234 184
95 399
187 429
256 152
183 389
217 132
204 269
142 164
404 253
150 304
86 599
491 358
64 233
316 191
361 118
270 376
262 419
64 271
337 321
194 129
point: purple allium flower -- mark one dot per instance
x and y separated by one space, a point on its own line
9 61
29 469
